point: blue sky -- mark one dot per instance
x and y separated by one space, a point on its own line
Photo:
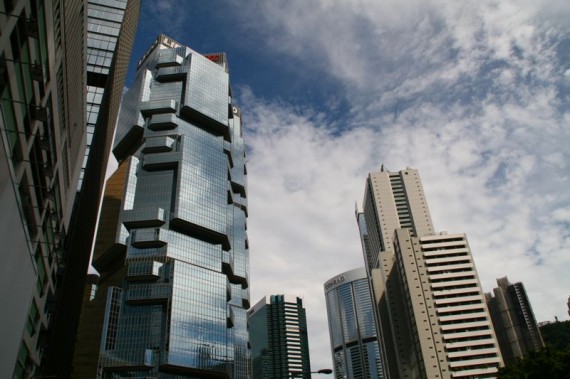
474 94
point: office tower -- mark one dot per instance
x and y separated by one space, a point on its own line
278 334
108 40
172 250
42 138
513 319
430 309
354 341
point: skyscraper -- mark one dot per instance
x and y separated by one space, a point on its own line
172 251
279 342
513 319
42 112
430 309
354 341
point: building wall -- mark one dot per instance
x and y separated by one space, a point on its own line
279 342
354 343
104 71
42 136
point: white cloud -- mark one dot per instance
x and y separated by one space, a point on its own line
467 93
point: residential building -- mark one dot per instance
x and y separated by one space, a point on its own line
279 341
513 319
354 340
172 249
430 310
42 139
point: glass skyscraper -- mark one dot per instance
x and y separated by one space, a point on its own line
279 341
174 263
354 342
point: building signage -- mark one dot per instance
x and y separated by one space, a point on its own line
336 281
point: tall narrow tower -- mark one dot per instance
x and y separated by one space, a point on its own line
279 342
430 309
174 274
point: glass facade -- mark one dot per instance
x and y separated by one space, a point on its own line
181 310
352 329
104 21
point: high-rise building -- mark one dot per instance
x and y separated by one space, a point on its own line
430 310
107 40
354 340
172 249
42 139
513 319
278 336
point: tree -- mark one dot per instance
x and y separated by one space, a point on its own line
547 363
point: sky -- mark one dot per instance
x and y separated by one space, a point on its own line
473 94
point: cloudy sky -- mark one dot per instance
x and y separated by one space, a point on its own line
474 94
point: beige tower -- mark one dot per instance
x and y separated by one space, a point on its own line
431 311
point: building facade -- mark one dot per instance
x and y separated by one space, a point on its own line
430 310
354 340
513 319
279 341
172 250
110 27
42 110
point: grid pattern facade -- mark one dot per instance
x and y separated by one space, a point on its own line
469 339
350 311
430 311
279 343
181 227
514 321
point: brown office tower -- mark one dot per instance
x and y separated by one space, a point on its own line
515 325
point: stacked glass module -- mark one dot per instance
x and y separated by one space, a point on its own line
181 309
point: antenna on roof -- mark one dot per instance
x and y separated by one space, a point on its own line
382 168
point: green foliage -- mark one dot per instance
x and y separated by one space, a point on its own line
556 335
547 363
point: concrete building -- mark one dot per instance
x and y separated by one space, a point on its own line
354 340
430 310
278 336
172 248
513 319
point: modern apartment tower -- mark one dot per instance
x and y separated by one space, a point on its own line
278 334
513 319
172 250
430 310
354 340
